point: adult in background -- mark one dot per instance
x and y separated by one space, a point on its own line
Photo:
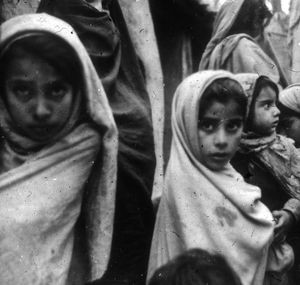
107 41
233 46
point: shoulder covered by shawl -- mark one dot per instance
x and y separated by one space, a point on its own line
241 54
99 202
284 158
227 46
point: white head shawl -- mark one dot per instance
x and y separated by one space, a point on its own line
290 97
101 202
212 210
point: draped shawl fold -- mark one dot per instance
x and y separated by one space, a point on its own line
200 208
105 36
236 53
42 199
276 152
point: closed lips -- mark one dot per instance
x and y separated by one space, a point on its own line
220 155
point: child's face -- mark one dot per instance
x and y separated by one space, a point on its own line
219 133
266 114
291 129
37 96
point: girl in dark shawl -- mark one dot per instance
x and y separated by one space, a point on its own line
106 39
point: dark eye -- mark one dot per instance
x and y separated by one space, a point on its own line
233 126
206 125
57 91
22 92
269 105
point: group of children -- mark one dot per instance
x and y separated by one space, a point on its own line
219 117
230 208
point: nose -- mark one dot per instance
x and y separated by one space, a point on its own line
220 140
41 110
276 111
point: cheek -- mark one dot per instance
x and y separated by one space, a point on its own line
20 112
63 109
258 116
204 140
234 140
205 143
260 119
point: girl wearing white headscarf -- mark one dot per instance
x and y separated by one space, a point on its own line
57 192
202 208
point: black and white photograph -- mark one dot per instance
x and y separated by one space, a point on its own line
149 142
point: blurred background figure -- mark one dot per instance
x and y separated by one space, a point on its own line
182 27
139 21
238 43
294 40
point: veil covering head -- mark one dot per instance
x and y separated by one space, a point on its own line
290 98
225 19
65 157
232 48
106 38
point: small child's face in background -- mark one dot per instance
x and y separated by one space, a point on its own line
291 129
37 96
219 132
265 114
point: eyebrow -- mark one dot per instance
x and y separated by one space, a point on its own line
23 80
218 120
19 79
56 81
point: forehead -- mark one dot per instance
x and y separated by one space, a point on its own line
219 110
28 65
266 93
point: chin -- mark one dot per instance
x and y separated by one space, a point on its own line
41 138
214 167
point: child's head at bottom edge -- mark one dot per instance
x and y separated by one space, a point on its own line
195 267
222 111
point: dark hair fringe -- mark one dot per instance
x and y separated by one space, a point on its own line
223 90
